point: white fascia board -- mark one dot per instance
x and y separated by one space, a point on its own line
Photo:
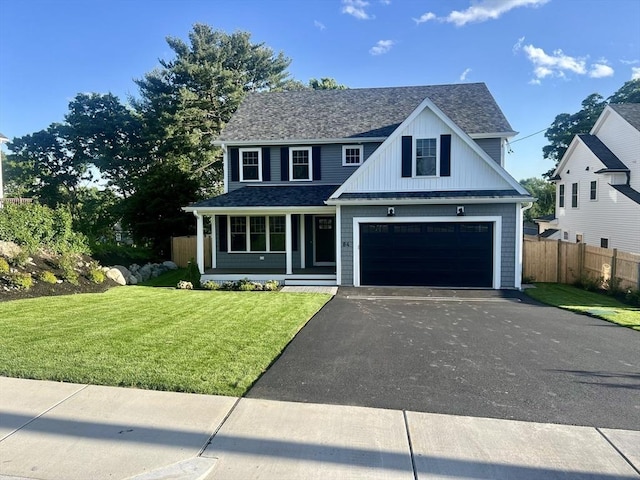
427 201
603 118
300 141
567 155
258 210
493 135
427 103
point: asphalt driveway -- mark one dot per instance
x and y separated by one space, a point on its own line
477 353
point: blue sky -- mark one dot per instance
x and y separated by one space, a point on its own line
539 58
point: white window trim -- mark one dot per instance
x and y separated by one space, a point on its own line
608 242
291 150
577 184
564 196
241 151
344 155
248 235
414 163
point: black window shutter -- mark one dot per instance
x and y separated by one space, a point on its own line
222 233
407 155
234 155
266 164
284 164
317 167
445 155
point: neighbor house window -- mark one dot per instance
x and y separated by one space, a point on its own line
561 196
426 158
351 155
300 163
574 195
604 243
593 190
257 234
250 163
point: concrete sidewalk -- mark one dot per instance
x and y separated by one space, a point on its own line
54 430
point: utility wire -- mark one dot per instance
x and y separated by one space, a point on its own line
523 138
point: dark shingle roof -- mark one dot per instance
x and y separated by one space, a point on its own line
272 196
629 192
545 218
428 195
600 150
549 232
358 113
629 111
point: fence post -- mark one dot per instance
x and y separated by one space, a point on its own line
614 266
558 263
582 251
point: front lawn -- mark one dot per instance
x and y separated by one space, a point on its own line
590 303
164 339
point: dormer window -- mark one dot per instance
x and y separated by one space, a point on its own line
250 165
351 155
300 167
426 157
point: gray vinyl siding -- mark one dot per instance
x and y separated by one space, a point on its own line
507 211
332 171
492 146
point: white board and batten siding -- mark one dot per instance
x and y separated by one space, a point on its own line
468 170
611 215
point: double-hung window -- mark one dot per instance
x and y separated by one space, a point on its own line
561 196
300 166
426 157
351 155
257 234
593 190
250 165
574 195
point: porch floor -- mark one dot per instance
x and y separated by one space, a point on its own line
271 271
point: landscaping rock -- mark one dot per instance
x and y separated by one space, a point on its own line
9 249
146 271
170 265
116 275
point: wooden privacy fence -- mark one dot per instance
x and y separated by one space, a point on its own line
564 262
183 249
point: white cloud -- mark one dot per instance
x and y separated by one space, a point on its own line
630 62
556 64
356 8
488 10
635 73
382 47
385 2
463 77
425 17
517 46
319 25
600 70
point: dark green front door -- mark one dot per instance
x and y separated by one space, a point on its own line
324 241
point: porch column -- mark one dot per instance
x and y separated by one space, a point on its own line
199 241
289 244
213 241
303 253
338 225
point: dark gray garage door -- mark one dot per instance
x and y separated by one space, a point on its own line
427 254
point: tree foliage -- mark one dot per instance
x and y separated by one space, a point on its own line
544 192
566 126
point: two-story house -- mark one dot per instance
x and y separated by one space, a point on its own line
598 183
373 186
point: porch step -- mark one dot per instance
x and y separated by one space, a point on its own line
311 282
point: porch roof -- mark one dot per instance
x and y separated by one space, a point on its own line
271 196
426 195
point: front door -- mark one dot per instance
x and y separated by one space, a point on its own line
324 245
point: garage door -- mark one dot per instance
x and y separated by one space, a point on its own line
427 254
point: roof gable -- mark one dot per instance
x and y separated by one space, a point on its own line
602 152
358 113
384 166
629 111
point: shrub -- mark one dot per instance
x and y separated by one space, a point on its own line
115 254
588 283
67 263
34 226
21 280
632 297
95 274
271 286
211 285
4 266
193 273
182 285
20 259
47 277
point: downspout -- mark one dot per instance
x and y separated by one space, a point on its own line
225 187
520 244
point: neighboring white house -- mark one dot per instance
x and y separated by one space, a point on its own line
598 183
2 140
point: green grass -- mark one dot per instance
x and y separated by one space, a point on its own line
589 303
168 279
162 339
